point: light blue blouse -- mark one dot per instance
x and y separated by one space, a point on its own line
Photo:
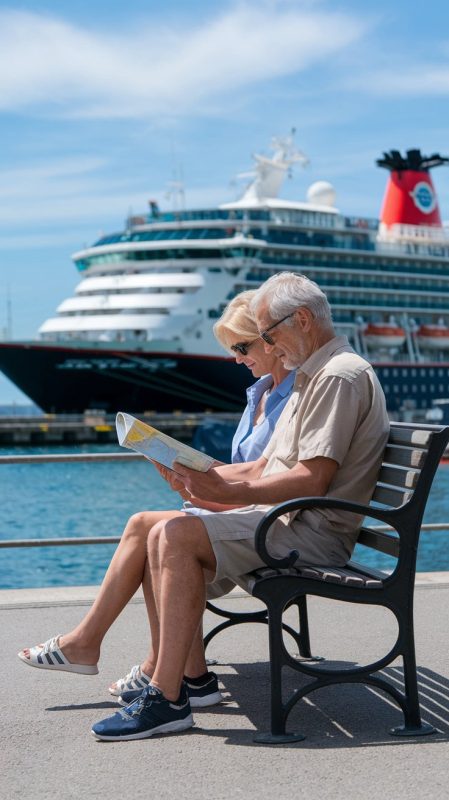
250 440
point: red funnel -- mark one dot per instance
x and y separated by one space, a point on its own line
410 197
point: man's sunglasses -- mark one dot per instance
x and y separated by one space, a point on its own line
265 335
243 347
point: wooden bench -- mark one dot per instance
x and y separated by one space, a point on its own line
410 460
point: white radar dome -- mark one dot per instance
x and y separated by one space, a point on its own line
321 193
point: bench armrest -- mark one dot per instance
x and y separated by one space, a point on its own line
384 515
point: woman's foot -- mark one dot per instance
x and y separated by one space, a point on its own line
49 655
136 679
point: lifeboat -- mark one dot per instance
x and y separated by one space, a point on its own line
433 337
378 334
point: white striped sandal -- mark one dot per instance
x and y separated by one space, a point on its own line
50 656
136 679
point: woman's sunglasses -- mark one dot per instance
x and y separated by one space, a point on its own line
242 347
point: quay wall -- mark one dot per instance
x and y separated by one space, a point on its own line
95 428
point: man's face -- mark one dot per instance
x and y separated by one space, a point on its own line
289 342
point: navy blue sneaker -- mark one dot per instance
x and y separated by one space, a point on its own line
202 692
151 713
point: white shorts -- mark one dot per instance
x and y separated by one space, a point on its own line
231 534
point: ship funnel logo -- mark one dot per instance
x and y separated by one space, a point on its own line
424 197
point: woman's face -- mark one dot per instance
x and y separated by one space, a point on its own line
256 359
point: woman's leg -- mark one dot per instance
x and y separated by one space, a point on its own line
123 577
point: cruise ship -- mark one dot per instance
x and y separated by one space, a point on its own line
137 334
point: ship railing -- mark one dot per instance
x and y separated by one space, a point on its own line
51 458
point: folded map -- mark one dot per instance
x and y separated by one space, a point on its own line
157 446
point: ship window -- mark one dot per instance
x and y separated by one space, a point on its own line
441 387
441 373
395 389
395 373
413 373
414 389
431 373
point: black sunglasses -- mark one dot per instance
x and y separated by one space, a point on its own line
265 335
242 347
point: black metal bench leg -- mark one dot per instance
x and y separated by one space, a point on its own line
304 637
277 735
413 725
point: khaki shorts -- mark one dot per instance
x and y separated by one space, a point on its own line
231 535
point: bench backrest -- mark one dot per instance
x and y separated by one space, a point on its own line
409 463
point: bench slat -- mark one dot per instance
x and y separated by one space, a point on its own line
404 456
390 495
408 436
378 540
398 476
351 575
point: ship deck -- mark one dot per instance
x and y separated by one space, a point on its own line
46 717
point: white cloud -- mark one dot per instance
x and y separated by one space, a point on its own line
51 64
424 79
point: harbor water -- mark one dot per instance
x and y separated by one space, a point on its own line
95 499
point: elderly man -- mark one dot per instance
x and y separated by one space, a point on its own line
328 441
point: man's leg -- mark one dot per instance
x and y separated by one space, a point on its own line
122 579
196 661
185 559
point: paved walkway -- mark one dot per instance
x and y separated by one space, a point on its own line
48 752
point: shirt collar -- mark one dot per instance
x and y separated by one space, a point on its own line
320 357
284 387
256 390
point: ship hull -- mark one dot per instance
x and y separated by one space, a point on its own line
68 379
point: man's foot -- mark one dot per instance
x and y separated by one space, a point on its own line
151 713
202 691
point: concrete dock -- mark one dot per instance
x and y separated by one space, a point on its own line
47 750
98 428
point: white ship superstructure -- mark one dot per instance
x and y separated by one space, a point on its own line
154 290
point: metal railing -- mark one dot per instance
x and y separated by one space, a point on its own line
103 457
78 540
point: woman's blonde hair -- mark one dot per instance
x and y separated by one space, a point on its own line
236 320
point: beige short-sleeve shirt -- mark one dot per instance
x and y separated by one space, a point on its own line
336 410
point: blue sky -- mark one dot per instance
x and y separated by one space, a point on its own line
102 104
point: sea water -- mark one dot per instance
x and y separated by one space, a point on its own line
95 499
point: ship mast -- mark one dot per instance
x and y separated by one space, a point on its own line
269 173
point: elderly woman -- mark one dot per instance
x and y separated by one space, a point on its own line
79 650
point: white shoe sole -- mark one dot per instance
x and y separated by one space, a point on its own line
209 700
167 727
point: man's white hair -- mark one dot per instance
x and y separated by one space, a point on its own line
285 292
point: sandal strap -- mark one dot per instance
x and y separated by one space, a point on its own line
135 679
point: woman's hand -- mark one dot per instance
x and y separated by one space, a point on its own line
208 486
174 480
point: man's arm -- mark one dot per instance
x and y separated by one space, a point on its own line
248 470
307 478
